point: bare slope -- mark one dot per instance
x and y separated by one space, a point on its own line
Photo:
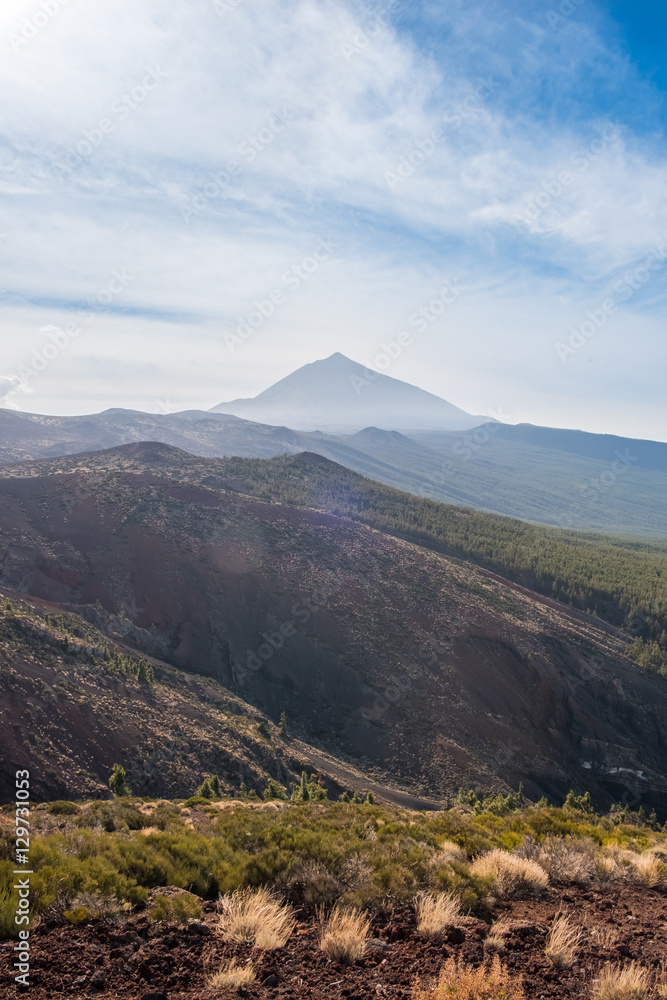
414 663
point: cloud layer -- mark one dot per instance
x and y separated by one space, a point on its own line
164 168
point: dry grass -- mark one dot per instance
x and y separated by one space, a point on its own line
651 869
630 982
436 912
604 937
232 975
513 877
648 869
463 982
495 940
562 941
255 916
343 936
568 861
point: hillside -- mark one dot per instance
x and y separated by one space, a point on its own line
562 478
402 659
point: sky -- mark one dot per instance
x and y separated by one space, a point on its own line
198 197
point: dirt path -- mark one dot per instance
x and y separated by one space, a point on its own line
357 782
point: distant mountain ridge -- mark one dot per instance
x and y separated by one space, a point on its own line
339 395
566 478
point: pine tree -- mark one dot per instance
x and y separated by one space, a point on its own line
118 782
283 726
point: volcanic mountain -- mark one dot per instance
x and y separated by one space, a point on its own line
422 666
340 396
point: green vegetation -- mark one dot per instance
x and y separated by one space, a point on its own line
177 909
67 639
118 782
366 854
621 581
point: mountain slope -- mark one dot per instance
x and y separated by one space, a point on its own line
420 665
565 478
339 395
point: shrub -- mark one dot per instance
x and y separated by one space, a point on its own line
309 884
436 913
232 976
197 800
59 808
562 941
256 917
8 928
513 877
622 983
344 935
463 982
77 915
178 909
568 861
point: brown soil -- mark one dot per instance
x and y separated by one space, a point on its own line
151 962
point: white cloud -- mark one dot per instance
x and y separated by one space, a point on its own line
349 121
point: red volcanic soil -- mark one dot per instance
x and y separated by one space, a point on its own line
139 960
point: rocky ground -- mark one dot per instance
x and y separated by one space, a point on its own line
143 961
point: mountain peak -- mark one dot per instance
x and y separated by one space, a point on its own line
339 395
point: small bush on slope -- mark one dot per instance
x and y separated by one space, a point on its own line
513 877
344 935
463 982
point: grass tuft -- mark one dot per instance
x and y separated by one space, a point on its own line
256 917
630 982
562 941
344 935
436 913
233 976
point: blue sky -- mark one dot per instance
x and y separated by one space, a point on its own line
197 198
